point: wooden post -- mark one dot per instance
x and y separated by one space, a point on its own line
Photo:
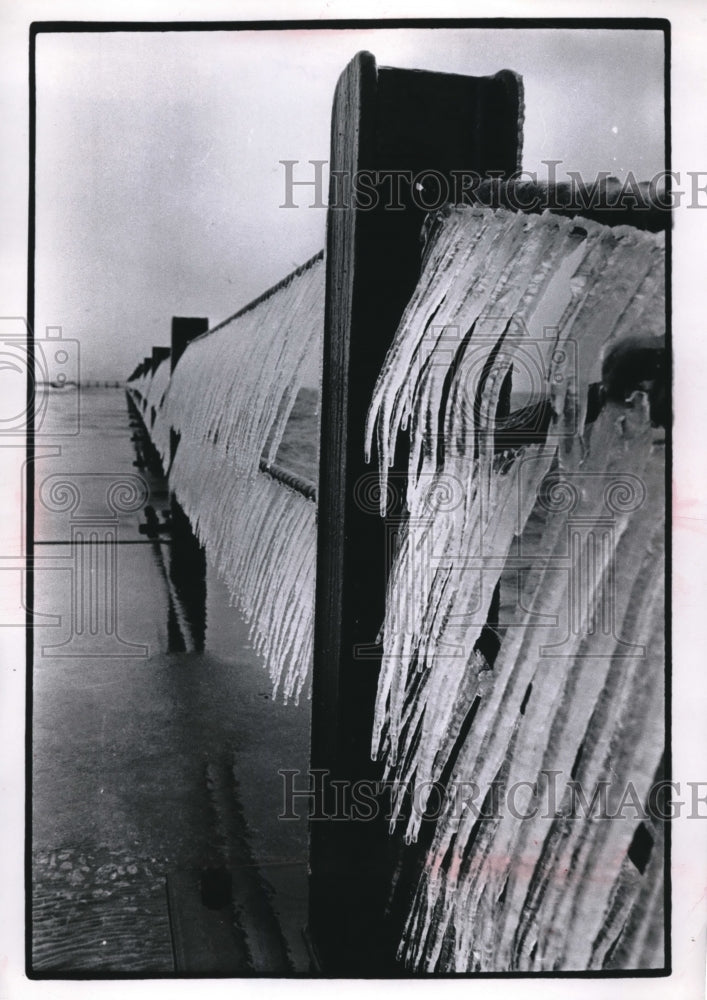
158 356
187 559
184 330
386 121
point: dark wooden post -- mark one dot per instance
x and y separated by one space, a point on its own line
158 356
184 330
187 558
387 121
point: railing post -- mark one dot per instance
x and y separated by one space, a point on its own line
187 559
404 128
158 356
184 330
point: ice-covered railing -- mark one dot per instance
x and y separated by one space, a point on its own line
138 388
226 408
153 410
523 639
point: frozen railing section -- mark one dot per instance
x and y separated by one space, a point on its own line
523 638
218 424
154 413
138 387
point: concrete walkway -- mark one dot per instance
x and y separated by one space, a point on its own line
154 764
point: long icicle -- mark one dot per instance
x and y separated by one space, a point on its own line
496 290
229 401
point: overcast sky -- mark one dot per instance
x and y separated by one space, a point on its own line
158 173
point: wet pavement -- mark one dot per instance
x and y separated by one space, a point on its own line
156 744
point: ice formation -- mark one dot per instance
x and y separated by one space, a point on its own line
138 389
154 411
228 402
568 522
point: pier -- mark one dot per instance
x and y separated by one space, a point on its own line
454 544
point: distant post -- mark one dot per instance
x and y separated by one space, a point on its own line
158 356
187 559
184 330
419 137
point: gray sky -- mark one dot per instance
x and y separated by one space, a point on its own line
158 174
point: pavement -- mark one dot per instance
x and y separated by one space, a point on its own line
155 761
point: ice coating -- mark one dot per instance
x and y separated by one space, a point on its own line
139 388
154 411
570 526
268 560
235 387
228 401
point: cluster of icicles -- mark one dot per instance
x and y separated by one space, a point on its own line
143 388
544 297
228 401
154 411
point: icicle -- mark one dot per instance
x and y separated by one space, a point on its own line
159 429
492 284
139 389
229 400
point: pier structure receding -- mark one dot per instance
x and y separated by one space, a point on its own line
482 607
